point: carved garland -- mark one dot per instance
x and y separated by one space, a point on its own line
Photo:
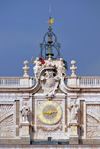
51 128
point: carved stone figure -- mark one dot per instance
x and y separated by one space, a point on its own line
25 112
49 63
37 66
74 109
49 84
61 69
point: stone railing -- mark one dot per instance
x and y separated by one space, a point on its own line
82 82
17 82
90 81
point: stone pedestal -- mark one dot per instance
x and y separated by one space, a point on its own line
74 138
25 137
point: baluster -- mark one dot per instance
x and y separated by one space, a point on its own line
92 81
85 82
18 82
95 81
5 81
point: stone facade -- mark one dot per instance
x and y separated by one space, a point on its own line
50 106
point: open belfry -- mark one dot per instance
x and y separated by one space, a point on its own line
50 108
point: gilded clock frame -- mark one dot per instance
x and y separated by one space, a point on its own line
56 118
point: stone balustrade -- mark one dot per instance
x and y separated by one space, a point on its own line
89 81
17 82
83 82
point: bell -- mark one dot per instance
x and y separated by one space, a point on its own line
49 52
50 39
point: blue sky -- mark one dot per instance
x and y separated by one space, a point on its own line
23 25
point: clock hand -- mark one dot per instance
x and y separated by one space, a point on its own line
50 112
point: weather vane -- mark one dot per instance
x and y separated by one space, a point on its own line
50 20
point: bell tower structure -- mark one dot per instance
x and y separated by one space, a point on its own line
48 45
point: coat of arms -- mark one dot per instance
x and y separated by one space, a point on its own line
50 84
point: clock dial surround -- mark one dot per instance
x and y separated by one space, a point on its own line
49 112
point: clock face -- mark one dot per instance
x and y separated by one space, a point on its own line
49 112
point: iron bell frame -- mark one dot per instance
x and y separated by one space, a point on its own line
45 45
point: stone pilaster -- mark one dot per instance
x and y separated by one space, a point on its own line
25 136
74 138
